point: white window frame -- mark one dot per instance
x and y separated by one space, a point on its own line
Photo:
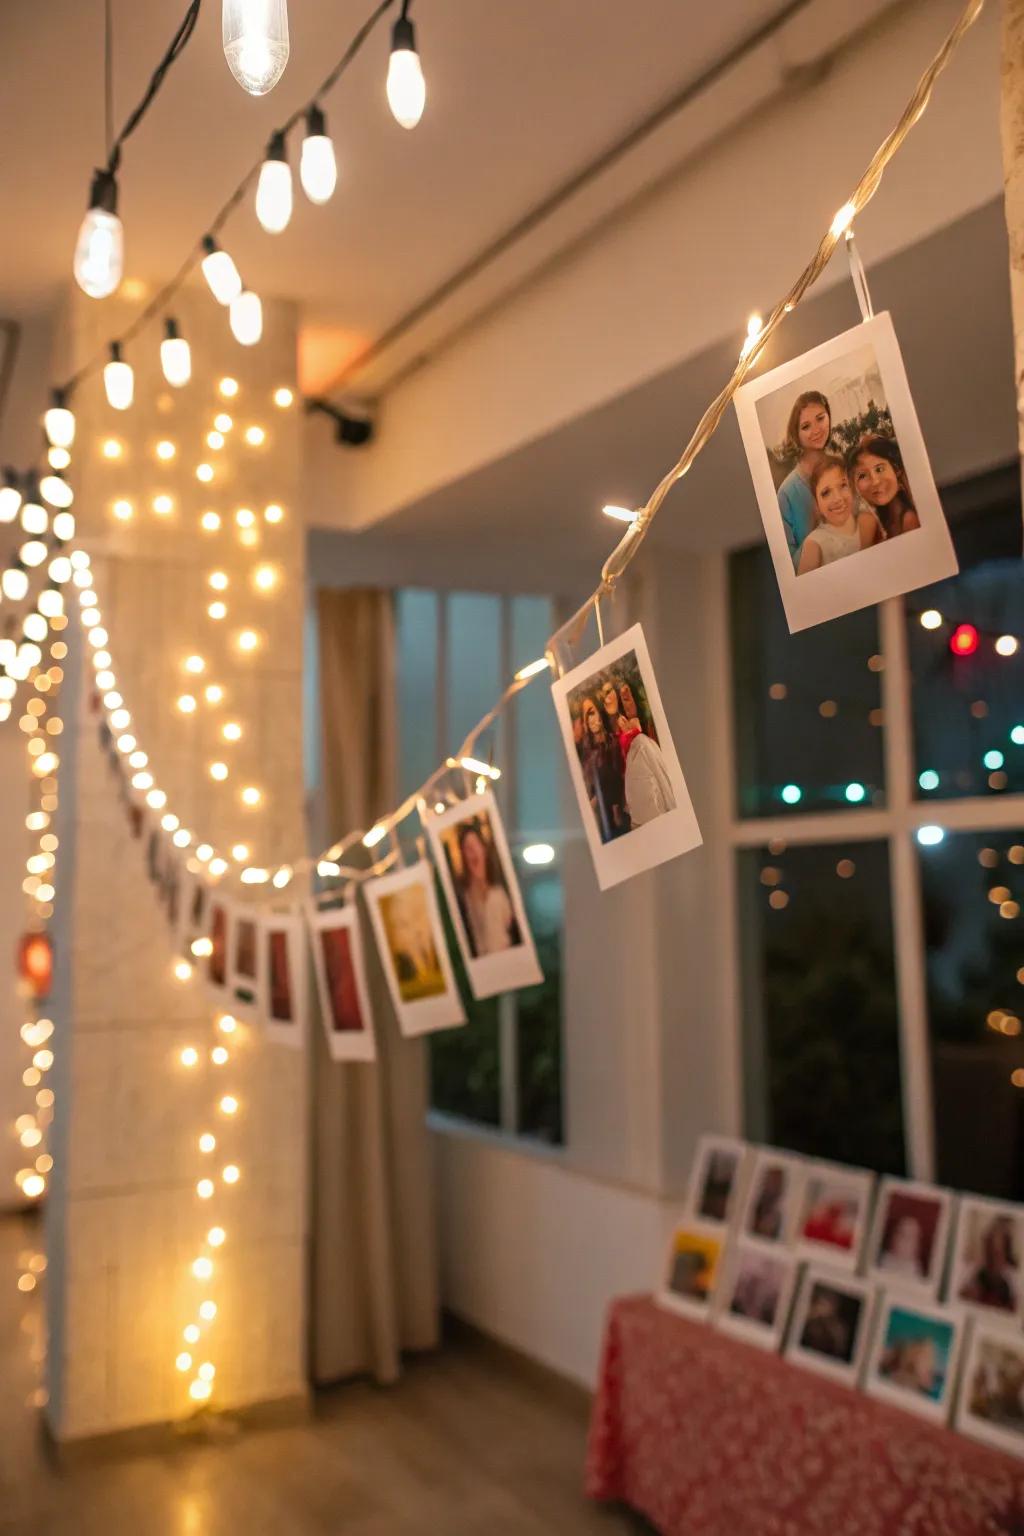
897 824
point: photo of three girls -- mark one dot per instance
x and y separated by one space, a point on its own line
624 771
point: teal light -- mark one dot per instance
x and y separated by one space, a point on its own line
1017 735
928 779
930 837
993 759
792 793
855 793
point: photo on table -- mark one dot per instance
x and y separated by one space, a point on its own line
835 1212
692 1267
340 971
987 1254
990 1402
717 1179
410 940
629 785
484 900
755 1297
243 967
831 1325
282 978
914 1356
910 1235
772 1199
841 474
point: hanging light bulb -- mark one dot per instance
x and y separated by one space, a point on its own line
56 491
406 87
255 36
32 552
34 518
318 170
64 527
274 189
220 272
118 379
14 583
99 254
10 497
246 318
175 356
59 422
51 602
58 458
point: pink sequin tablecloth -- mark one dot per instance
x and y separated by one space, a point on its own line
708 1436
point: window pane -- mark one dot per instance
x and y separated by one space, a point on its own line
821 1034
538 750
474 663
973 884
465 1071
416 623
806 707
539 1014
969 708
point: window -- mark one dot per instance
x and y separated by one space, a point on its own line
879 844
455 652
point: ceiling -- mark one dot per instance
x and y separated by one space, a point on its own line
546 86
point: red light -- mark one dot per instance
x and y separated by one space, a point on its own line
964 640
35 964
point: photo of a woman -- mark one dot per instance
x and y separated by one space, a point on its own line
646 787
841 529
602 772
808 432
876 470
481 887
988 1256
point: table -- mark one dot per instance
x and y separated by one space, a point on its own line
706 1435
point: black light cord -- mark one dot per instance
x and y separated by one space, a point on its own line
175 49
160 300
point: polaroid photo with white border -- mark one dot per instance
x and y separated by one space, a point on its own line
914 1355
193 904
281 971
629 785
410 940
910 1235
340 971
831 1327
771 1202
988 1260
990 1400
718 1179
841 474
484 900
835 1214
693 1265
243 964
754 1298
218 931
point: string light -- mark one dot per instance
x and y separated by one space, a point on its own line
175 356
99 253
246 317
118 380
620 514
59 421
406 87
274 189
222 276
10 497
318 169
256 45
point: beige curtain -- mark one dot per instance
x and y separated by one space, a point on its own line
374 1260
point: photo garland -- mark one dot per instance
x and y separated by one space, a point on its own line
410 940
340 971
243 964
484 900
218 914
281 978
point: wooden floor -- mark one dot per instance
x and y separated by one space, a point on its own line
468 1444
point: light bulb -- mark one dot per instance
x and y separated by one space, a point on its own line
255 37
32 552
51 602
118 379
56 491
318 169
58 458
175 356
220 272
34 518
10 497
274 189
63 526
246 317
99 254
406 87
59 422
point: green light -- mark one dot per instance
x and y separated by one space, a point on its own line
928 779
1017 735
791 793
993 759
855 793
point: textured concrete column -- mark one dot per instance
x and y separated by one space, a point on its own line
1012 119
124 1220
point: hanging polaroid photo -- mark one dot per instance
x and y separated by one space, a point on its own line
772 1201
341 983
410 939
842 477
717 1182
243 963
281 977
835 1210
218 914
692 1267
914 1355
484 900
192 904
755 1297
990 1403
831 1325
910 1235
632 795
988 1253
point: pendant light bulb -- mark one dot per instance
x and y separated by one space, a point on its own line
220 272
59 422
51 602
63 527
58 458
255 36
274 189
99 254
10 497
15 583
406 87
118 379
175 356
56 491
34 518
318 169
246 317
